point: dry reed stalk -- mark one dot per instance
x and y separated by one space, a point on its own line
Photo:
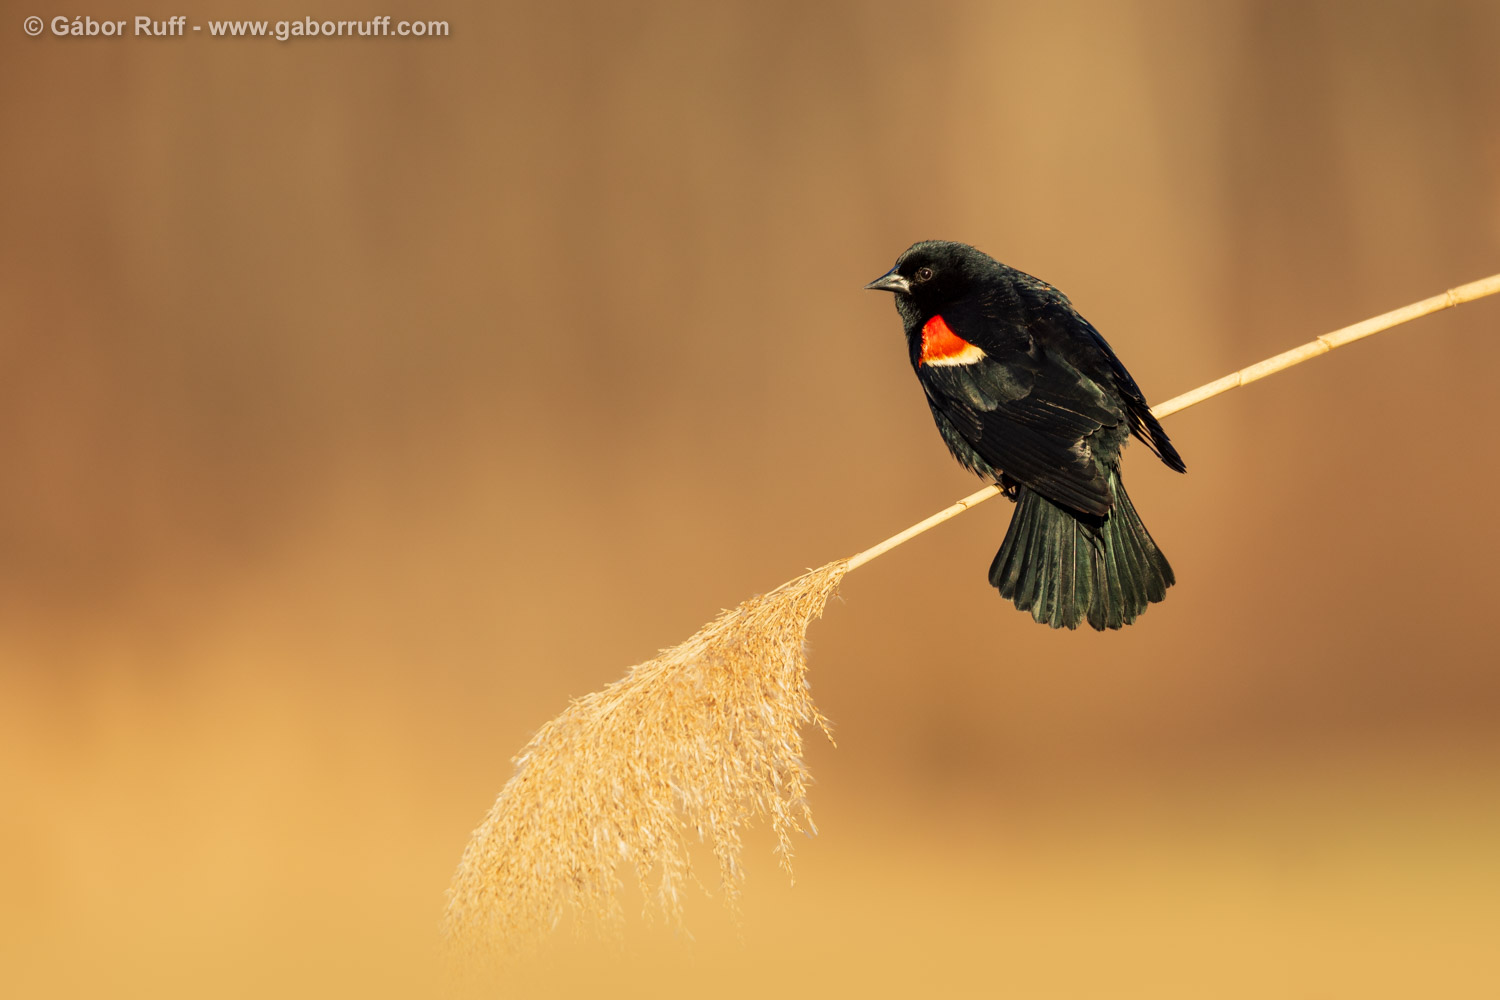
700 741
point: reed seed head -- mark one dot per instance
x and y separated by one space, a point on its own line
693 744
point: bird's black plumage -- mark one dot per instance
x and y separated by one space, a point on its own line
1026 392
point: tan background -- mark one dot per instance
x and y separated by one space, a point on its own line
363 401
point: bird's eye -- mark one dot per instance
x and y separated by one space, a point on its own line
924 274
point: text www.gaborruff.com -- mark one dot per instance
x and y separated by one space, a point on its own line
282 31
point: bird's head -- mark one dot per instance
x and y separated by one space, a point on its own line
933 273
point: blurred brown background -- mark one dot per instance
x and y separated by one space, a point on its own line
365 400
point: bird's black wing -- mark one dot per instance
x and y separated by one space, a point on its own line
1050 318
1031 415
1142 423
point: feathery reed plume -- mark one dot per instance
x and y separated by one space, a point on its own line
700 741
695 742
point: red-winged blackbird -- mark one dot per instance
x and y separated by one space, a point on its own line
1026 392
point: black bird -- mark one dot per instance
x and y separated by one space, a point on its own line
1026 392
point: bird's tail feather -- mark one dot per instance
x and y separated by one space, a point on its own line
1067 568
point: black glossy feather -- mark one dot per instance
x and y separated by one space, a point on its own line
1066 570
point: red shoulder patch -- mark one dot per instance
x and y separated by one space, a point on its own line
941 346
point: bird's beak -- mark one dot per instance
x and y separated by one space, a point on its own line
890 282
